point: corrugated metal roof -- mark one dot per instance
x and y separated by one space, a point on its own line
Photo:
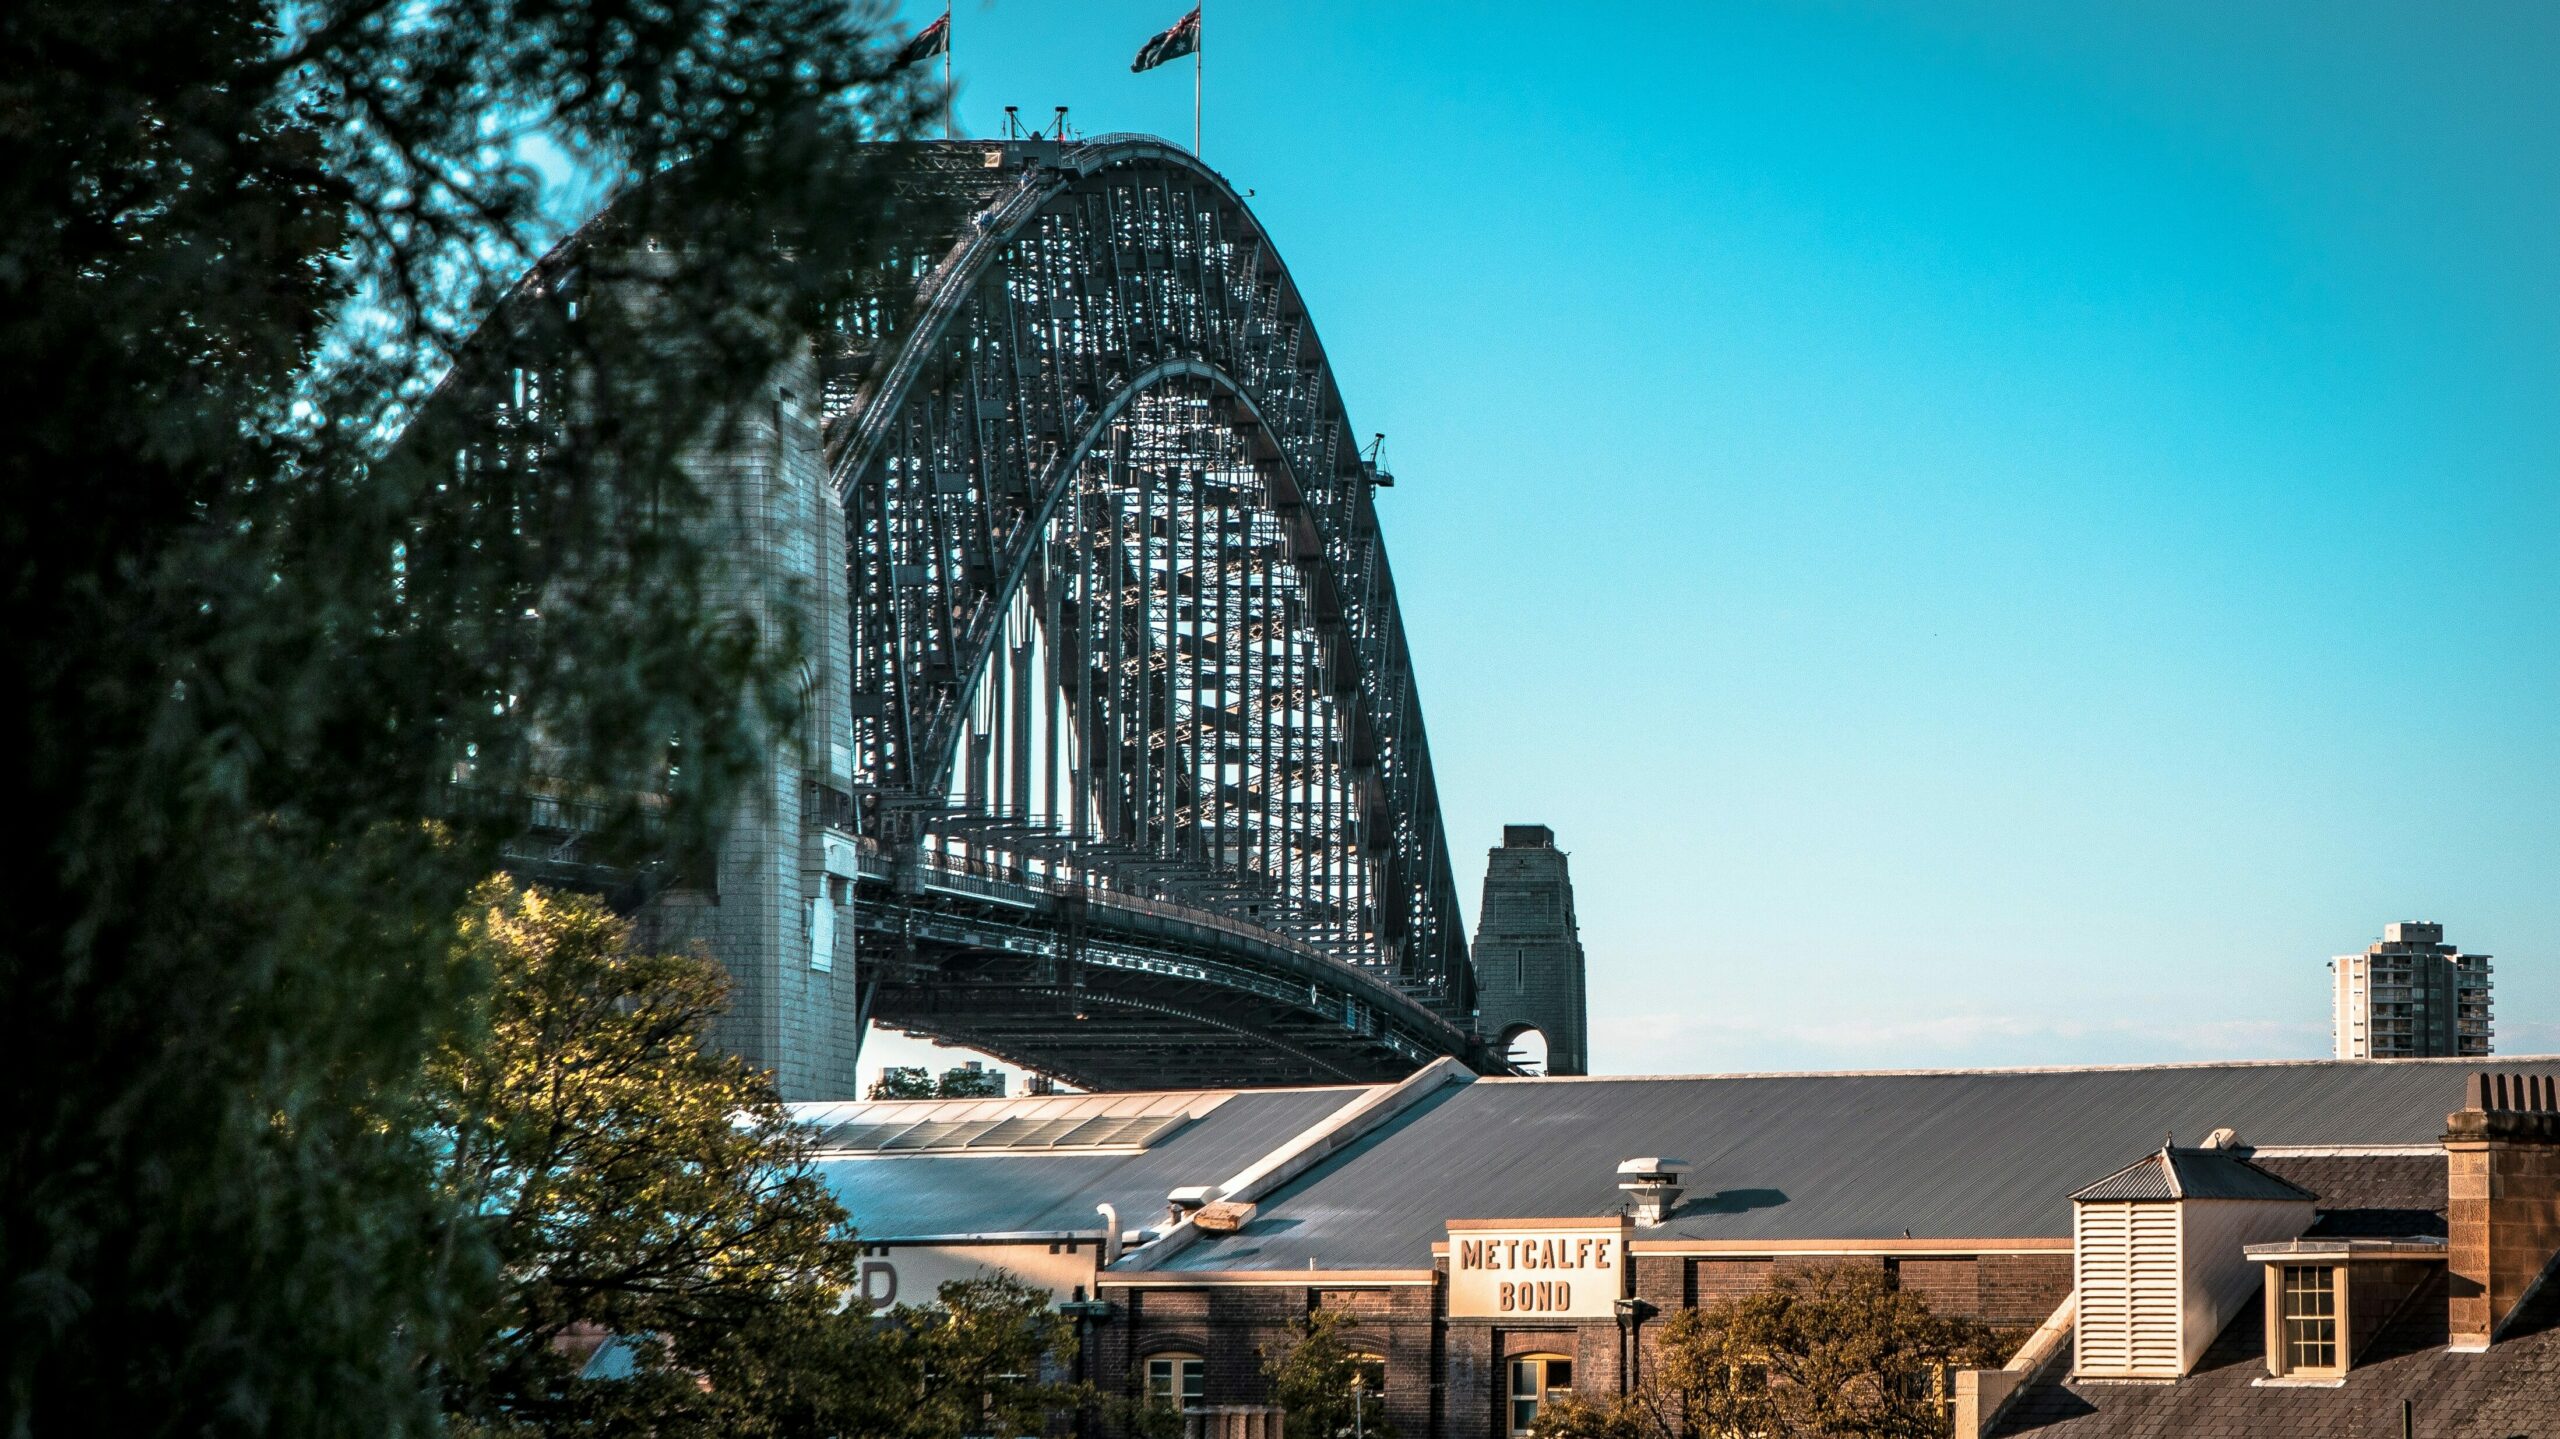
2145 1178
2170 1173
972 1190
1968 1154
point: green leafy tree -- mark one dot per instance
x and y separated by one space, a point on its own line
1626 1416
1329 1388
631 1181
971 1081
990 1354
1825 1350
966 1081
642 1189
1136 1416
243 243
983 1359
900 1081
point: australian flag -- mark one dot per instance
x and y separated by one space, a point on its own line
932 40
1183 38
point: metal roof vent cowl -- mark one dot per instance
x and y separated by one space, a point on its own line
1181 1204
1653 1187
1110 1233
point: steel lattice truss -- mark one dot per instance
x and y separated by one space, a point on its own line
1139 792
1120 614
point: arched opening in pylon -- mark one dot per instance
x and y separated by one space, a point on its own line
1526 1047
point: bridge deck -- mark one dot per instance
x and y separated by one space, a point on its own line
1110 989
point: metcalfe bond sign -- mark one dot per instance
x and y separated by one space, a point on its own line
1538 1268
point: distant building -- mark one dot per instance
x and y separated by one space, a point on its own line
2413 996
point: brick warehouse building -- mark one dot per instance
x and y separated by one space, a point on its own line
1501 1240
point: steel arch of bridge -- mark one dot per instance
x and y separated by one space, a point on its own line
1128 676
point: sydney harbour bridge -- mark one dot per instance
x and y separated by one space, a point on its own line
1118 769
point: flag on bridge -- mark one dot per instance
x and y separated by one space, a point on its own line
1183 38
932 40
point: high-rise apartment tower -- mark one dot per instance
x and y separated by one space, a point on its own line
2413 996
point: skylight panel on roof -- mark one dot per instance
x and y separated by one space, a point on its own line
939 1134
1006 1134
1121 1133
859 1134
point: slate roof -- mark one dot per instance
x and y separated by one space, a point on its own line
2396 1196
918 1195
1976 1154
2171 1173
2365 1181
2513 1389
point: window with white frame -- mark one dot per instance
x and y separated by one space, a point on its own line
2311 1319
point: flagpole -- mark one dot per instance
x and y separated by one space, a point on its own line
1199 57
949 132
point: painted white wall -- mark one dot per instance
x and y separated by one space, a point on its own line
912 1273
2218 1280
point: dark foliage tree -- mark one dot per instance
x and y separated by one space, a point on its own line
1329 1388
1825 1350
964 1081
970 1081
900 1081
985 1358
255 644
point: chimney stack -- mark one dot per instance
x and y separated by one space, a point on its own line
1653 1184
2502 1149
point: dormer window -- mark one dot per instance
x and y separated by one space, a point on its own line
2157 1256
2308 1304
2328 1297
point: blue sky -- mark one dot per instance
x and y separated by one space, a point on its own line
1996 533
